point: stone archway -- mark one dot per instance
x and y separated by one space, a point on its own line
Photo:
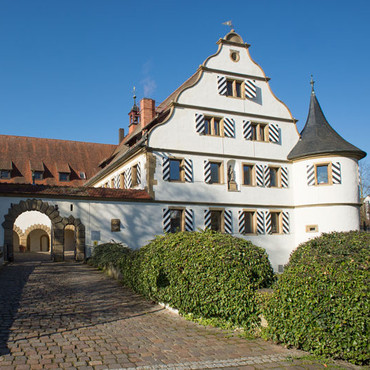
58 225
33 227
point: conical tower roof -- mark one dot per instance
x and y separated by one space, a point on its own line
318 137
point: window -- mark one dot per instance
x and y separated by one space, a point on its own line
259 131
248 174
216 221
177 220
4 174
322 174
37 175
312 228
122 180
275 222
63 176
234 88
213 126
176 169
82 175
134 176
274 177
112 183
249 222
215 173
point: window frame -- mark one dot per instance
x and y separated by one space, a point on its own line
122 180
9 174
279 223
41 173
211 120
182 216
257 126
181 169
234 90
134 176
253 174
330 176
254 221
220 172
222 218
68 176
278 176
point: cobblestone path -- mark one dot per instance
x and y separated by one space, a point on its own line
69 315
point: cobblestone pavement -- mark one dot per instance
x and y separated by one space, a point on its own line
69 315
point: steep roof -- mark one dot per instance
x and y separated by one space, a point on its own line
318 137
24 154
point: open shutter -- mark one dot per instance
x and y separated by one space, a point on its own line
166 220
207 219
336 173
268 223
267 176
188 163
274 133
260 222
189 220
310 174
260 170
117 182
286 224
199 123
284 177
250 89
229 127
166 168
221 84
241 222
228 221
247 130
129 178
138 173
207 171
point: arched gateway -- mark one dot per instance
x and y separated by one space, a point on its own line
57 234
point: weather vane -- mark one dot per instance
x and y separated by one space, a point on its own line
228 23
134 92
312 82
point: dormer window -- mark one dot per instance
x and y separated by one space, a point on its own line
64 176
6 167
83 175
38 175
4 174
64 171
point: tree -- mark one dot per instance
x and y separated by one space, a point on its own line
364 171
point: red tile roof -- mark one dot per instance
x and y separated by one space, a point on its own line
52 156
73 192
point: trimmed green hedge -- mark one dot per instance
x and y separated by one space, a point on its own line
207 274
321 301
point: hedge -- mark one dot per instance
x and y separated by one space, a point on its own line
321 302
207 274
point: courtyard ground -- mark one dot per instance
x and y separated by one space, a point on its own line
70 315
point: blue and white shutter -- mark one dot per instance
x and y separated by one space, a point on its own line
221 85
207 171
250 89
138 173
228 221
267 176
241 222
286 223
260 222
207 219
260 174
166 168
199 123
229 127
166 220
336 173
310 174
268 223
188 164
117 182
284 177
274 133
189 220
247 130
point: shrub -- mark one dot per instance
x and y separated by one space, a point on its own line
321 301
206 274
108 254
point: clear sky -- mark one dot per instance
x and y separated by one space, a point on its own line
67 67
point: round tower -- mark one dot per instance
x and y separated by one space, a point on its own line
325 178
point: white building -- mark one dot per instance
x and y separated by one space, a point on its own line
221 152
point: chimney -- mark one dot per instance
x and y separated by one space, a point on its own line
147 111
121 135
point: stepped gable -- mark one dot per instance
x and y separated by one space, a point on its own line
318 137
22 155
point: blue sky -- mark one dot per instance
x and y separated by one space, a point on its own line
67 67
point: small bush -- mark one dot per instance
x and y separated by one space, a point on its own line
207 274
321 301
108 254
